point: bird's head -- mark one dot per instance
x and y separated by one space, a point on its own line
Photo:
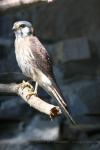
22 28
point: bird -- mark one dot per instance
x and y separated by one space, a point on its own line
35 62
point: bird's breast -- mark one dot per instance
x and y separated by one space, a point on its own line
25 58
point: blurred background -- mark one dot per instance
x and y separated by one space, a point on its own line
70 30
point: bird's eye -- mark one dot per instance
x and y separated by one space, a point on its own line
22 25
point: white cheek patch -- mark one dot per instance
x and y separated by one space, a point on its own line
25 30
22 32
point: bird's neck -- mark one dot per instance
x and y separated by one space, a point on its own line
21 35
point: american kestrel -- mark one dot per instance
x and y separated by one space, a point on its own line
35 62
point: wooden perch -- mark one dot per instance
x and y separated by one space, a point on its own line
9 4
25 90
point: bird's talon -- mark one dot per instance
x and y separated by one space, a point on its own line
26 84
35 93
29 95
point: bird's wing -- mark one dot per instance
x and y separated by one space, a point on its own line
42 58
44 63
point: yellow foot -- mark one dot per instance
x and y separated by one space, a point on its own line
31 91
30 94
26 84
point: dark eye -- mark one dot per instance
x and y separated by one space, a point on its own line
22 25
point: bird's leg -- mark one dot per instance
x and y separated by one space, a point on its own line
36 88
33 92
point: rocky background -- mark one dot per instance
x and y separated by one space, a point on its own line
70 30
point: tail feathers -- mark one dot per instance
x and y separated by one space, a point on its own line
62 104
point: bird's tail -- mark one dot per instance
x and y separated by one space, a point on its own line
55 91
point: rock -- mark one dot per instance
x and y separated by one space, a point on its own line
70 50
14 108
7 41
76 49
72 37
83 99
6 145
94 42
39 129
82 68
47 146
86 146
65 19
57 20
10 65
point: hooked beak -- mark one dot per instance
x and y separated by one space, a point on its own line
13 28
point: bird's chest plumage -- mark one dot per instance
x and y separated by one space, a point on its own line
31 61
25 57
